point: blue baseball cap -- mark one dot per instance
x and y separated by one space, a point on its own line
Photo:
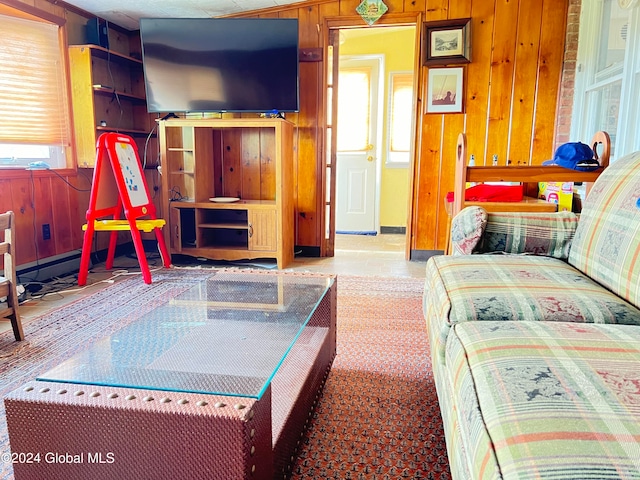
576 156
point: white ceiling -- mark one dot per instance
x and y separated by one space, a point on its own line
127 13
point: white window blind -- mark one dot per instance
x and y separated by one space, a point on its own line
33 92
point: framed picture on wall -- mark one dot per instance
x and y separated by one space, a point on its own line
445 90
446 42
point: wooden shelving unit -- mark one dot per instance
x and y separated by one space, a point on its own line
249 159
106 87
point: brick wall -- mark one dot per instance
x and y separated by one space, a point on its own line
567 86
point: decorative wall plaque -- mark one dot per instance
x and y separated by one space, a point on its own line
371 10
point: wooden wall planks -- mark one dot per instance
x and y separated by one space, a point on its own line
511 90
510 98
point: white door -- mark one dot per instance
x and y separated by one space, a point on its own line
358 144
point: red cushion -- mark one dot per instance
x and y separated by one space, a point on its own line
491 193
494 193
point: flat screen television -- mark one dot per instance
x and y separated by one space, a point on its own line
220 64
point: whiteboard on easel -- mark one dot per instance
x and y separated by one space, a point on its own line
132 174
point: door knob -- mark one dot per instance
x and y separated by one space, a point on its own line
369 147
370 158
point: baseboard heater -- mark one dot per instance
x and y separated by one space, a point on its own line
50 267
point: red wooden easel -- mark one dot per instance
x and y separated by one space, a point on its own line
119 185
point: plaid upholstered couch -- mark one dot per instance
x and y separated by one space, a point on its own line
535 338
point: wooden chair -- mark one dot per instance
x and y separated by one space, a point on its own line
528 174
9 281
601 140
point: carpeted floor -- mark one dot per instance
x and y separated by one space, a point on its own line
378 416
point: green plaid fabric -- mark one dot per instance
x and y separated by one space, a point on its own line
514 287
606 245
538 233
536 358
557 400
463 444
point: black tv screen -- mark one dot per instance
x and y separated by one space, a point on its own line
220 64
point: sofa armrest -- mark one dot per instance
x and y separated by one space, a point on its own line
467 228
474 230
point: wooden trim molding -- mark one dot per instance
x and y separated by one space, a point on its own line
34 11
15 173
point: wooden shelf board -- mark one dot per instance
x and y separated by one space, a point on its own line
219 251
111 91
126 131
178 149
528 204
105 53
529 173
234 226
240 205
225 122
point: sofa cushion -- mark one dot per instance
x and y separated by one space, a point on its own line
557 400
514 287
537 233
606 245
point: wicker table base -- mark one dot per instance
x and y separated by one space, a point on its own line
69 431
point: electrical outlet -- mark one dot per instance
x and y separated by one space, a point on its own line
46 231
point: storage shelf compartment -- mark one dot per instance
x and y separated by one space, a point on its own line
214 218
224 238
187 227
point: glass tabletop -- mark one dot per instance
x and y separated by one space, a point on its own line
226 335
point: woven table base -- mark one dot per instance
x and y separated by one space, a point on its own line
66 431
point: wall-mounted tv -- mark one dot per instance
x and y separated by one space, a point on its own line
220 64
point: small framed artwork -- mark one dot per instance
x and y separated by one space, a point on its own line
447 42
445 90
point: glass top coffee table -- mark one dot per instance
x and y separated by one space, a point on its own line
238 357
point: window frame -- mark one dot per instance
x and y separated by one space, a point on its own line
589 81
401 158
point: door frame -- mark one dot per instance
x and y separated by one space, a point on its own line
330 29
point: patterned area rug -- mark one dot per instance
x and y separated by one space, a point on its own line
377 418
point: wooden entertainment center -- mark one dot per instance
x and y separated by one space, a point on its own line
228 186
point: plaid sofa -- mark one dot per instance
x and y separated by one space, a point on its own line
534 329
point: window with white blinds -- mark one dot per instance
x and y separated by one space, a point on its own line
34 109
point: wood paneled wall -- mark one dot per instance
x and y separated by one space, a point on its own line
511 93
39 198
510 97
